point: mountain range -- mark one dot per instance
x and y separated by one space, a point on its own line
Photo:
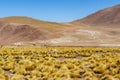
98 29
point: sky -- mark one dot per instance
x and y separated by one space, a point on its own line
53 10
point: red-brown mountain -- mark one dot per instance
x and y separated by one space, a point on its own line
106 17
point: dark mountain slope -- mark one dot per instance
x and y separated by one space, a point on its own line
106 17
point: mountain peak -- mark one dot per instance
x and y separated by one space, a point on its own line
105 17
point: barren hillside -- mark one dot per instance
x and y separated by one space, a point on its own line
99 29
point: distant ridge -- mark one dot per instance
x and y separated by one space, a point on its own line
32 22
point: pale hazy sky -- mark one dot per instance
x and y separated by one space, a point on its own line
53 10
